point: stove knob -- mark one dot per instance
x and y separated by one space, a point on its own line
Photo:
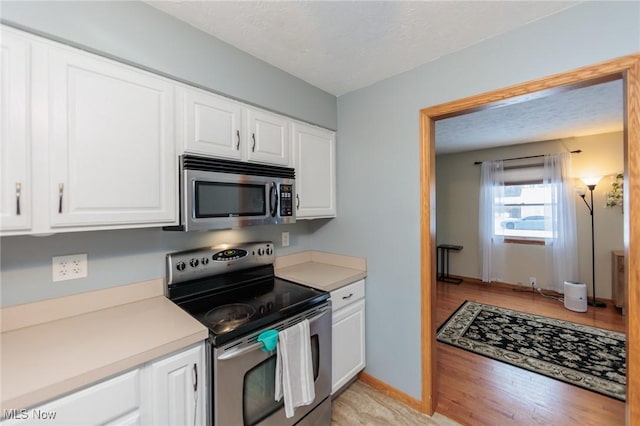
204 260
193 263
260 252
269 251
269 306
261 309
180 266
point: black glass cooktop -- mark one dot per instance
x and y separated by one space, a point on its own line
234 306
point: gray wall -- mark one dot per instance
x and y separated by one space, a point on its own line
141 35
378 160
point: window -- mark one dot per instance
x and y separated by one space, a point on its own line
531 203
522 211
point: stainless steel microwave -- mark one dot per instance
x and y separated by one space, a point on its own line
223 194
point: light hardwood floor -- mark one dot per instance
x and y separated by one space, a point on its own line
362 405
476 390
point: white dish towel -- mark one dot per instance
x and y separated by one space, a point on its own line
294 368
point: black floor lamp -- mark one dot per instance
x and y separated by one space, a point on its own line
591 184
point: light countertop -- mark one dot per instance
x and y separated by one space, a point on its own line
44 360
324 271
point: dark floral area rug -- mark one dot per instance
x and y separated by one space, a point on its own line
589 357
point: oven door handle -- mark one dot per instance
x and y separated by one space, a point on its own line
234 353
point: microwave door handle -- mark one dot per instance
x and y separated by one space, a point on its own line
273 199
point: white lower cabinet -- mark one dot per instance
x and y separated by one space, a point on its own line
177 389
115 401
162 392
348 341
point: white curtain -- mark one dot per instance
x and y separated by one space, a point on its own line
491 187
562 255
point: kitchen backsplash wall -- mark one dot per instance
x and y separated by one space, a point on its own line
115 257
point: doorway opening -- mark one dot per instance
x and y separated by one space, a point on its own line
626 68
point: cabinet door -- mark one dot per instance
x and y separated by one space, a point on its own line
112 139
15 144
315 163
210 124
348 344
178 387
268 138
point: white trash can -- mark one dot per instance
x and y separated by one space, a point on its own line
575 296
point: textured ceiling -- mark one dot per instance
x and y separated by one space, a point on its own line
580 112
341 46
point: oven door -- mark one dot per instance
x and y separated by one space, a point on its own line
243 384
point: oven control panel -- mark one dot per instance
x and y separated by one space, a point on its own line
207 261
229 254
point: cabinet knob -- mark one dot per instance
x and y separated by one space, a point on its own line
347 297
297 202
238 136
253 148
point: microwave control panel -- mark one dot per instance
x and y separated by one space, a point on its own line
286 200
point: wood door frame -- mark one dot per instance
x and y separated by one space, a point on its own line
626 68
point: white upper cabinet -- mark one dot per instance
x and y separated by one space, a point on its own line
15 142
88 143
314 158
209 124
219 127
268 137
112 143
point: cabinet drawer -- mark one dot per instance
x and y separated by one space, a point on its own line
107 401
348 294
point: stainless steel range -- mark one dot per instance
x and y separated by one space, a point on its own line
234 292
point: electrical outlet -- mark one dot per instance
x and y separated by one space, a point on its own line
285 239
69 267
532 281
